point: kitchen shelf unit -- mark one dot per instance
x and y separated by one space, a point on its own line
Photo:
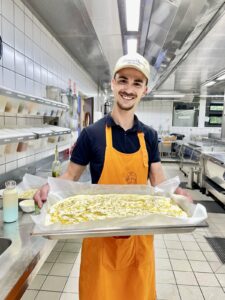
21 96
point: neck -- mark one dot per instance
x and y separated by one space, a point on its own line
123 118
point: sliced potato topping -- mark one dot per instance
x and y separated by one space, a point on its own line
82 208
28 194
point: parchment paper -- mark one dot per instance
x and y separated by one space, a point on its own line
30 182
61 189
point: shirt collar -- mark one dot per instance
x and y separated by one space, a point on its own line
136 127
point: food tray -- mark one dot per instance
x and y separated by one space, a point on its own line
107 232
137 225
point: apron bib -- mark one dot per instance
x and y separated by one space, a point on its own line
119 268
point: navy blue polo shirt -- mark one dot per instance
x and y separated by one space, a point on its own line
91 144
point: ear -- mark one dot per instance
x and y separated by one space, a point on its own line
112 84
145 91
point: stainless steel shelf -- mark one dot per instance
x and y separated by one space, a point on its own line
35 133
15 139
16 94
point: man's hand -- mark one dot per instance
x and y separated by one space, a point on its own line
184 193
73 172
41 195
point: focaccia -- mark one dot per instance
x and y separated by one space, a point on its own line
83 208
28 194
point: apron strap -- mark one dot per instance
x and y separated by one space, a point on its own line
141 138
143 148
108 132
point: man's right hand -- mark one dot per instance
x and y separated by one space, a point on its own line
41 195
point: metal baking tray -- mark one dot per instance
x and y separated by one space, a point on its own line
121 226
148 230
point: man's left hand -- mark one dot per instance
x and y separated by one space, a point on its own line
184 193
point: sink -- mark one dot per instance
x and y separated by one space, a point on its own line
4 244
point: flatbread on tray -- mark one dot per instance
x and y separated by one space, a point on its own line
27 194
83 208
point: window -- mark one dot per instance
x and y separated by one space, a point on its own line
185 114
214 112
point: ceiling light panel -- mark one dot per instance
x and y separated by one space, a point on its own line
168 96
222 77
132 14
210 83
131 45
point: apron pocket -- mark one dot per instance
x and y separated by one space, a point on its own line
118 253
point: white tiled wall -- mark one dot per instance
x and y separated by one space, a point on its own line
32 58
159 114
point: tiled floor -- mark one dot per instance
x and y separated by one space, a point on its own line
187 268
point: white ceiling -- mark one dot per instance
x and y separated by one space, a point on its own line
107 28
206 60
183 40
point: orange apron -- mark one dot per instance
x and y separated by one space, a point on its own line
119 268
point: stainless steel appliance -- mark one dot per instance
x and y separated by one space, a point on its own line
214 174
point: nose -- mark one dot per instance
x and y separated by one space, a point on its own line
128 88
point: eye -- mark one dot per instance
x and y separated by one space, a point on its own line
121 81
138 84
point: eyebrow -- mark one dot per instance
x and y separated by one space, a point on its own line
135 80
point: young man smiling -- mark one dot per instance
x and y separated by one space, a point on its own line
120 150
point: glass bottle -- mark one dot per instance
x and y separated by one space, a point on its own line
56 165
10 202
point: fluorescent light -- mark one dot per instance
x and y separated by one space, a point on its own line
222 77
21 96
131 45
211 96
210 83
168 96
132 14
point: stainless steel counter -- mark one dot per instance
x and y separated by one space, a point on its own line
214 174
217 157
26 254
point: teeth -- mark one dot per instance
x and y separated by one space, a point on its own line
127 98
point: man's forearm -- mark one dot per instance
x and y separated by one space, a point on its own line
156 174
69 176
73 172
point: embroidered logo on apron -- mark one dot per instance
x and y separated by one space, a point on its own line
131 178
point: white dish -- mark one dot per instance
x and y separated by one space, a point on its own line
27 205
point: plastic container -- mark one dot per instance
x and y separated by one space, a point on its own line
22 147
11 148
10 202
53 92
12 105
27 205
2 150
3 101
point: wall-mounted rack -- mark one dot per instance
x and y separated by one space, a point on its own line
13 135
8 139
21 96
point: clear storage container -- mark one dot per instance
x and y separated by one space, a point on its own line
10 202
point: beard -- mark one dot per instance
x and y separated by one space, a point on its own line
124 107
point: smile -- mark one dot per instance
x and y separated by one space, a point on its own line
127 97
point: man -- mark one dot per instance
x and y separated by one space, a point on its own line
120 150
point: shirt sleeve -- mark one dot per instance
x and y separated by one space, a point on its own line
82 150
152 146
155 157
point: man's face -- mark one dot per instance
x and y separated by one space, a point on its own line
128 86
